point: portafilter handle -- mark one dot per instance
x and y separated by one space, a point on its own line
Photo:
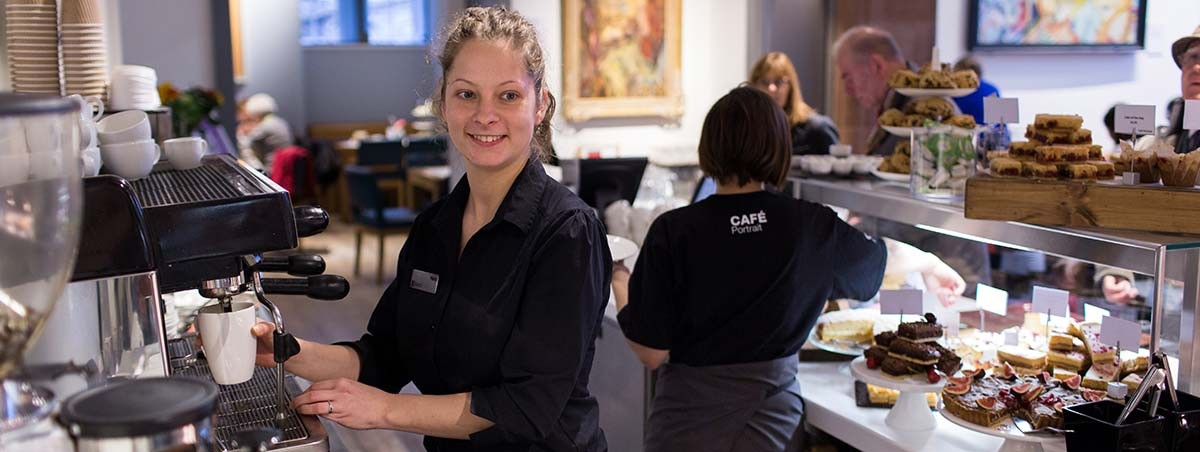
321 287
295 265
310 220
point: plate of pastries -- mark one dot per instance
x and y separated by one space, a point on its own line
931 81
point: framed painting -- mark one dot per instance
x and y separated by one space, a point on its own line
621 58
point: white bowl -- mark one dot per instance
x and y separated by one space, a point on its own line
842 167
839 150
123 127
130 160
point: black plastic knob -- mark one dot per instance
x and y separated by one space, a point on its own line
295 265
321 287
310 220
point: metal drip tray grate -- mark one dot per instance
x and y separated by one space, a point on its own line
213 181
242 406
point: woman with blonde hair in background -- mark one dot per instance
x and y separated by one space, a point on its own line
812 133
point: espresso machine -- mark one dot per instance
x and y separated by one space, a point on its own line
210 229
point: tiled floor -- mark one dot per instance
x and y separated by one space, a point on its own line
331 321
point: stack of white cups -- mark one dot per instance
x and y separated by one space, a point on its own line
134 88
90 109
126 145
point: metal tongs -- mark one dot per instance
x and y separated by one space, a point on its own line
1154 377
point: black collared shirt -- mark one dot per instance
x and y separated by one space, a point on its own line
513 320
742 278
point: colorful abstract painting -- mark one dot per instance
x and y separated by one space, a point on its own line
1018 23
621 58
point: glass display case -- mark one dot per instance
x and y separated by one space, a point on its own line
1164 268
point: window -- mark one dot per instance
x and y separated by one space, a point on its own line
374 22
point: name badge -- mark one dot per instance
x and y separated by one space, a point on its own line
423 281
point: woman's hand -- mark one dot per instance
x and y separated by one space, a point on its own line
620 284
944 282
1118 290
264 355
347 402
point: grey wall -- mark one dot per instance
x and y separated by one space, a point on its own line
272 57
353 84
174 38
797 28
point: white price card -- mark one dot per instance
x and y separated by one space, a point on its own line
1092 313
1052 301
1191 114
991 299
902 301
1135 119
1114 331
1000 110
1011 338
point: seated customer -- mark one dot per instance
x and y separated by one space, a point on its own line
261 131
731 286
812 133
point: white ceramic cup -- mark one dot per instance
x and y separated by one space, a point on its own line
229 345
185 153
124 127
839 150
130 160
90 160
14 169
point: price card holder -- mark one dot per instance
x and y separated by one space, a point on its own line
1191 114
991 299
902 301
1093 314
1123 334
1050 301
1135 119
999 110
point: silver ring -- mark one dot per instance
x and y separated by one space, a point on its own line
330 402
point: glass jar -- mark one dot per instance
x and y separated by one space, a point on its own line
943 157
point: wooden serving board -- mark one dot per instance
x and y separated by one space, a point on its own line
1078 204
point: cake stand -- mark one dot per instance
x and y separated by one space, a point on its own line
1014 440
911 412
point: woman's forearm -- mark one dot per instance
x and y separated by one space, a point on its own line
903 258
443 416
317 362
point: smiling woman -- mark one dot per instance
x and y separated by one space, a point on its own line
500 287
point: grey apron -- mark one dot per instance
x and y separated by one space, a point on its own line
730 408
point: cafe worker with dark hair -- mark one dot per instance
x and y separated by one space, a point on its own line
729 288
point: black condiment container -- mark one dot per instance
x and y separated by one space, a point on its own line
1093 429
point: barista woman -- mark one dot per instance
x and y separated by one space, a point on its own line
499 288
729 287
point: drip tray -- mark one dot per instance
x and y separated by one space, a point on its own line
248 405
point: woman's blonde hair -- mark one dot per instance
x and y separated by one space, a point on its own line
499 24
777 64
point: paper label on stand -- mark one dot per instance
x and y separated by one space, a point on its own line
991 299
1191 114
1135 119
1011 338
1000 110
1052 301
902 301
1114 331
1093 314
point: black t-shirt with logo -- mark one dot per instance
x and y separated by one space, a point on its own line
742 278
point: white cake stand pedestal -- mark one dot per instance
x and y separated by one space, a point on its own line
1014 440
911 412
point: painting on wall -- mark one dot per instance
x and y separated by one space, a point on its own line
621 59
1044 24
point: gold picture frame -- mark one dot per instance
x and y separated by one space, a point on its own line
621 58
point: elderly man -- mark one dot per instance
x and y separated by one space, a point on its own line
261 131
1186 51
866 57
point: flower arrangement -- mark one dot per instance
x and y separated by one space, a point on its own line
189 108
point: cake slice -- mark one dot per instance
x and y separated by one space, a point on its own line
1059 136
1098 376
1080 171
1095 152
920 331
851 325
1133 381
992 155
1065 343
1064 374
1104 170
899 368
1134 362
1039 170
1005 167
1048 121
1072 360
885 396
1024 150
1089 332
1021 357
917 353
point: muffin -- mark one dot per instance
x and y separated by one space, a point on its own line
1179 170
933 107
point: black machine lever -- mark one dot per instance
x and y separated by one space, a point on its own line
310 220
295 265
321 287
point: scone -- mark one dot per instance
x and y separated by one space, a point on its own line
891 117
933 107
937 80
904 78
1047 121
961 121
965 79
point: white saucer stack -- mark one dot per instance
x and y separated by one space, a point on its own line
84 53
134 88
31 32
